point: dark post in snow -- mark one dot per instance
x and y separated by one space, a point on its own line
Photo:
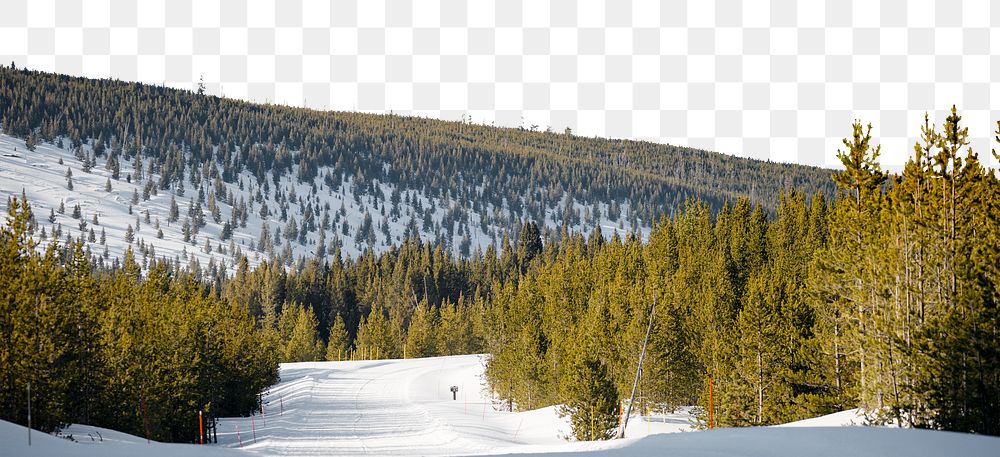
29 414
454 392
638 372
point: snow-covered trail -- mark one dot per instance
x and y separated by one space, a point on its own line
405 407
398 407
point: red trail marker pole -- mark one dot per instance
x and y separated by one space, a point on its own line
238 436
201 429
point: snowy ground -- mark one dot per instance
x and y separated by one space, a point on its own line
405 407
41 175
400 407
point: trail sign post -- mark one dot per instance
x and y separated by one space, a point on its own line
454 392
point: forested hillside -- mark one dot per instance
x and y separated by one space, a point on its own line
356 180
868 290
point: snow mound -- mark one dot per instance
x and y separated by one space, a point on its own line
797 442
849 418
14 442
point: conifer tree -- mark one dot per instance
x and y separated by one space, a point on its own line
376 336
174 212
298 329
420 336
339 344
590 400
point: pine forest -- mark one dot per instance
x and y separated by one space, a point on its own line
786 291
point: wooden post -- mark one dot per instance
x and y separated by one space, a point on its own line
638 371
29 412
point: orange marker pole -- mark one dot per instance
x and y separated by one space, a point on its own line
621 410
201 430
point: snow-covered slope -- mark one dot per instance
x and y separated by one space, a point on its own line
355 222
90 441
405 407
402 407
798 442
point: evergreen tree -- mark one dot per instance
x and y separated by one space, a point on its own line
298 329
174 212
377 337
420 341
590 400
339 344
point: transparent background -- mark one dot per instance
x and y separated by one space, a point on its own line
780 80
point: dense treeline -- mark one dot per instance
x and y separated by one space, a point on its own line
414 300
884 300
142 129
123 349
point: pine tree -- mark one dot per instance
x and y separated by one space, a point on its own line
339 345
300 341
529 244
420 335
174 212
853 233
376 336
590 400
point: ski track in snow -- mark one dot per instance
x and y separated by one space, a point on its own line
384 408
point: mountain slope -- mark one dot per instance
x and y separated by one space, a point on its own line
349 179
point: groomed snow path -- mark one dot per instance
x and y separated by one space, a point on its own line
383 407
